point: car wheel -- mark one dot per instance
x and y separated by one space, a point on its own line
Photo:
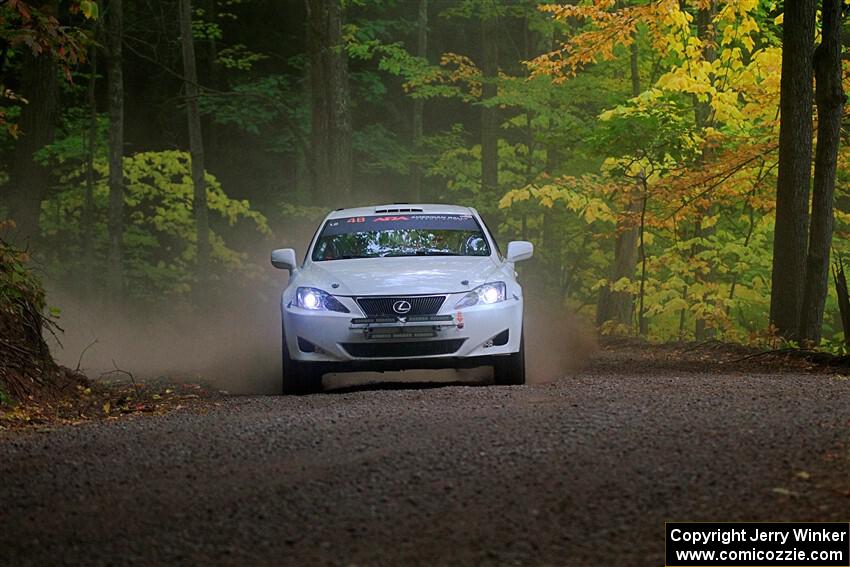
509 370
299 377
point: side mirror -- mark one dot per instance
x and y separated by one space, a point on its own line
284 259
519 250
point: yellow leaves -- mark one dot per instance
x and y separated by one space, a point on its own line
597 210
625 284
514 196
609 30
739 84
726 107
709 221
461 69
88 9
578 195
680 80
676 18
729 35
676 304
547 195
607 114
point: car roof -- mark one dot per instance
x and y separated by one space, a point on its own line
401 208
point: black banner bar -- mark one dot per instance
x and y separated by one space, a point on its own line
757 544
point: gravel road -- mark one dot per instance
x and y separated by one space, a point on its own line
582 471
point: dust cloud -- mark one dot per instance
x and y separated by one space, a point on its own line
557 342
235 344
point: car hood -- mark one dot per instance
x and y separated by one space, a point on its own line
399 276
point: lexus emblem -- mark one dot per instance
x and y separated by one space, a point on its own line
401 307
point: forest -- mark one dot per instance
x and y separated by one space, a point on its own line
679 165
646 327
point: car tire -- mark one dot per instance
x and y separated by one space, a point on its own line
509 370
299 377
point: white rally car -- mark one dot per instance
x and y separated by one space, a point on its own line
401 286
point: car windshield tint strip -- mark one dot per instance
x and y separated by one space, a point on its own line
353 225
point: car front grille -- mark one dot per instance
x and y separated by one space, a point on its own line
383 306
401 350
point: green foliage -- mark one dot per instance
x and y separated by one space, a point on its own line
160 237
660 136
204 29
256 105
697 144
380 150
238 57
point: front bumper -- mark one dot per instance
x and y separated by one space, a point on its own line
327 336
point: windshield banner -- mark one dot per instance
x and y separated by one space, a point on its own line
379 223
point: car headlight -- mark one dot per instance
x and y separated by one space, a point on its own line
317 300
483 295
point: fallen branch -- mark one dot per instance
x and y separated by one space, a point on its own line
819 357
704 343
80 360
763 353
120 371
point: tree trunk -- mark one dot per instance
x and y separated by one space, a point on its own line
209 75
794 176
319 95
489 114
618 306
704 118
341 152
87 227
115 211
643 322
830 103
331 128
196 150
419 104
633 66
29 180
843 297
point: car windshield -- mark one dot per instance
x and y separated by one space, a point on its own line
400 235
